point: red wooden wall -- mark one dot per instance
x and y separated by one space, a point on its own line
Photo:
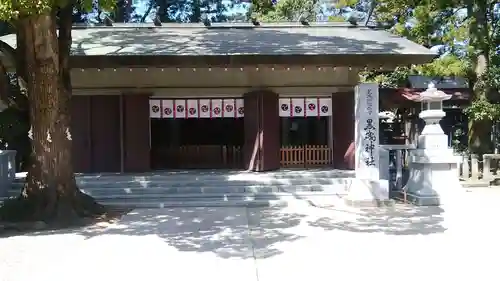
97 133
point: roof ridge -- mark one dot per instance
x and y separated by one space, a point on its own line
225 25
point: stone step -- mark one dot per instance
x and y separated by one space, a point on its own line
220 200
202 202
210 180
213 197
217 176
199 204
476 183
332 189
207 184
153 191
261 200
191 201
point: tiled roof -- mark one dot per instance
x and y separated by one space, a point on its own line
412 94
236 39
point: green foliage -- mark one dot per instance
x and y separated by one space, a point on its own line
468 33
189 10
448 65
429 23
457 144
284 10
394 79
11 10
337 18
492 77
482 110
346 3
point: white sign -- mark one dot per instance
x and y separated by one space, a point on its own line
167 109
312 105
180 108
366 131
216 108
196 108
205 107
297 107
240 109
284 107
228 108
325 107
305 107
155 108
192 109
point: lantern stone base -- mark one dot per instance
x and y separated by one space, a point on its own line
433 177
368 193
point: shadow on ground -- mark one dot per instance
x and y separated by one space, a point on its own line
258 232
400 220
226 232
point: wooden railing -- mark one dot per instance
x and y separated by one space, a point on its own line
203 157
306 156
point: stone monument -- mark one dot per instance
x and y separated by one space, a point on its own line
432 165
367 189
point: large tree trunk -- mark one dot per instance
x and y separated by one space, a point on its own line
64 44
479 130
51 193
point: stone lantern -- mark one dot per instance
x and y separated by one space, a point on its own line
432 135
433 166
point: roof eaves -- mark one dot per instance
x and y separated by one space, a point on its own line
242 25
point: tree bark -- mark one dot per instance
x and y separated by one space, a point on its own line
64 44
479 130
51 193
4 86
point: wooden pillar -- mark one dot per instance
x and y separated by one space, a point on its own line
80 133
270 128
343 130
105 133
330 123
136 144
251 145
262 128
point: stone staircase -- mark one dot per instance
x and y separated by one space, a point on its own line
210 188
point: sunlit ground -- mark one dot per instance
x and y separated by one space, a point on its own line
303 242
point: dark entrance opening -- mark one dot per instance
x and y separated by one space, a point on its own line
197 143
304 130
305 141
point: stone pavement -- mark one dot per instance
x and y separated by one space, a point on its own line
312 240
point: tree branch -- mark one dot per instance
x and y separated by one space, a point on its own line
148 11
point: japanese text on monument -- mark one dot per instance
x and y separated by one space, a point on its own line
370 133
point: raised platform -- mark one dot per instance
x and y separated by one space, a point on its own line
210 187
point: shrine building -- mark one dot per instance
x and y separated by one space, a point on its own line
225 96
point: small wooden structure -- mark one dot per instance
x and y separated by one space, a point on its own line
405 100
